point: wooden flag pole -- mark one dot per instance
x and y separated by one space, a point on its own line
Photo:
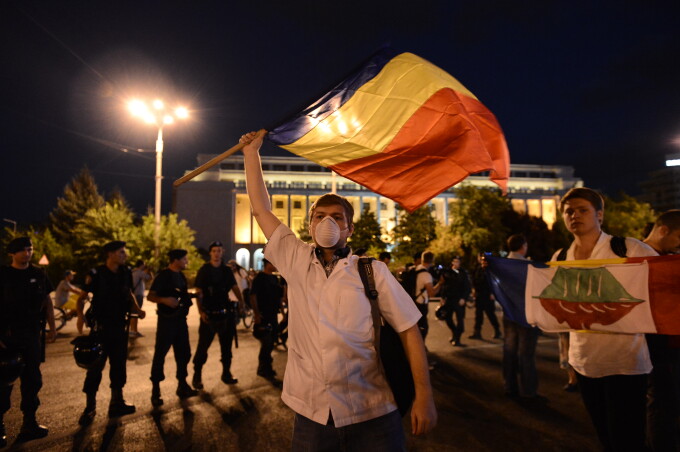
212 162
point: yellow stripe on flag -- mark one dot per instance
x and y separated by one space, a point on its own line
368 122
588 263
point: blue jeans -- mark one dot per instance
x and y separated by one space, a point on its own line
519 361
382 434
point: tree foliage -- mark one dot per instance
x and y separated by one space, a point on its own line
80 195
626 216
414 231
477 218
367 232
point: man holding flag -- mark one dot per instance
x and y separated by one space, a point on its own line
611 368
333 380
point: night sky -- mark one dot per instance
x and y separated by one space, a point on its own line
591 84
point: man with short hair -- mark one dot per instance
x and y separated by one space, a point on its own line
611 368
455 292
169 292
385 257
213 283
24 304
265 298
519 344
65 289
333 380
485 302
112 302
663 391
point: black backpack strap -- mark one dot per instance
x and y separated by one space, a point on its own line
618 245
367 278
562 256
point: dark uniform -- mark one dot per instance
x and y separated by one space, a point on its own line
483 303
215 284
172 325
456 287
22 297
110 307
268 293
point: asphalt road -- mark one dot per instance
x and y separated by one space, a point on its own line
474 414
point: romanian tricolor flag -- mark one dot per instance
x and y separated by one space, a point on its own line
401 127
625 295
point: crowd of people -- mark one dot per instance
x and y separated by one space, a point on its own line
333 380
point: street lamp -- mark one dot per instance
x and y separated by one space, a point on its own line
160 116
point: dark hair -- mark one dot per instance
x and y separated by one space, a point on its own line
384 255
670 219
139 263
516 241
428 257
360 251
588 194
331 199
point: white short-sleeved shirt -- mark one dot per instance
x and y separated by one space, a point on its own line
601 354
332 361
62 293
422 279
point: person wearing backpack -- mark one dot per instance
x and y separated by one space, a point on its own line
333 380
424 290
611 368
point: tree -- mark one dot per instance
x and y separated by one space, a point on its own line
367 232
446 245
173 234
80 195
303 232
414 231
626 217
476 218
114 221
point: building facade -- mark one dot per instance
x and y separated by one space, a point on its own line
662 189
216 205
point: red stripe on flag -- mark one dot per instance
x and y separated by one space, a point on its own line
664 292
448 138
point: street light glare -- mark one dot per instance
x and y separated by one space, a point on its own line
182 112
149 118
158 104
137 108
167 119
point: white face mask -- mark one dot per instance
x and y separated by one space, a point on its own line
327 233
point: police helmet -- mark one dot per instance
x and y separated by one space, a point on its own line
441 312
87 351
11 365
262 330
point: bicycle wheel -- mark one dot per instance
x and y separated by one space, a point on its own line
248 318
59 319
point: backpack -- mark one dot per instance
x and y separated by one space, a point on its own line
408 282
617 243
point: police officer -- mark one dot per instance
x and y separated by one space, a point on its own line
213 283
112 302
169 291
265 298
24 303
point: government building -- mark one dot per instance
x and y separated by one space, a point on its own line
216 206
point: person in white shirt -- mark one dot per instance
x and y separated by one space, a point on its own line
333 378
425 289
611 368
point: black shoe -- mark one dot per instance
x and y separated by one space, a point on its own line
537 399
266 373
31 430
184 391
88 415
458 344
156 399
3 435
475 336
120 408
229 379
197 382
498 335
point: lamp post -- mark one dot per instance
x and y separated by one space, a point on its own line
159 116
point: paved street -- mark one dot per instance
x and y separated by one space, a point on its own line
474 415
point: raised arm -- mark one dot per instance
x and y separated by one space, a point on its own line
257 190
